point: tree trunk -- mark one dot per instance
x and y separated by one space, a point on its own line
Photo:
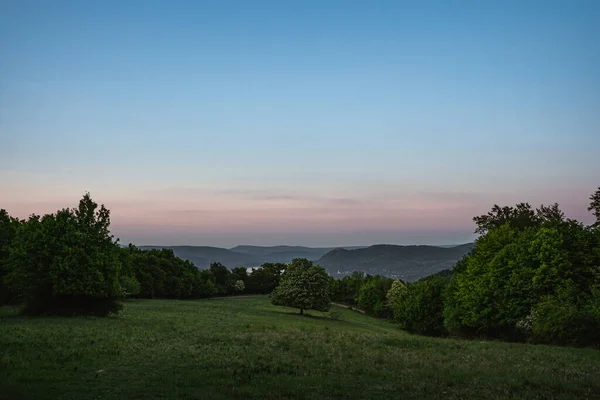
301 311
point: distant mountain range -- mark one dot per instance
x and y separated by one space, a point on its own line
408 263
405 262
246 256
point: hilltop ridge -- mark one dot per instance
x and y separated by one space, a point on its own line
407 262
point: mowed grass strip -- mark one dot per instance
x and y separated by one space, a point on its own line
247 348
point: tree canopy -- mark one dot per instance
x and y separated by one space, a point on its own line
8 230
303 285
66 262
594 206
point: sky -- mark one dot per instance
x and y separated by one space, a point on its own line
319 123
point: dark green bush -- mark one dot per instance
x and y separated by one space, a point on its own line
567 318
130 287
419 308
72 305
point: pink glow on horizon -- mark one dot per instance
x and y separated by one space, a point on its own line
221 212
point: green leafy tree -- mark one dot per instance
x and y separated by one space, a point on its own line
521 216
372 295
161 274
346 290
130 286
239 285
223 278
514 269
303 285
367 296
393 295
265 278
65 263
240 274
594 206
551 213
419 307
568 317
205 284
8 229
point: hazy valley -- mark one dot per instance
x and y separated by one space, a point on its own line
408 263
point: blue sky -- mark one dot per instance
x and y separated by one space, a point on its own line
316 123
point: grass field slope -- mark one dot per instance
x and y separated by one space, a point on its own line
248 349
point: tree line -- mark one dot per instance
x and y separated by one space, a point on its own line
68 263
533 275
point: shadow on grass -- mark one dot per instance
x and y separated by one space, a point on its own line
308 317
10 311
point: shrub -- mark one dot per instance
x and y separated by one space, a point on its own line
367 296
393 295
419 308
130 287
382 310
372 295
239 285
568 318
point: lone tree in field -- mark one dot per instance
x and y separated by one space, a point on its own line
66 263
303 285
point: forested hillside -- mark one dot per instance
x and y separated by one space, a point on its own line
408 263
244 256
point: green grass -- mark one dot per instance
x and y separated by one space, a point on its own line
246 348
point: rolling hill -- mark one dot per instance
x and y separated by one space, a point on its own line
285 254
247 348
409 263
244 256
404 262
203 256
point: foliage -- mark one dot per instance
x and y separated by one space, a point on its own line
393 295
303 285
531 276
65 263
130 287
240 274
446 273
222 277
8 229
567 318
160 273
372 296
367 298
594 206
521 216
346 290
239 285
419 308
264 280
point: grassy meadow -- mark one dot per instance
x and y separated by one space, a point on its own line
248 349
